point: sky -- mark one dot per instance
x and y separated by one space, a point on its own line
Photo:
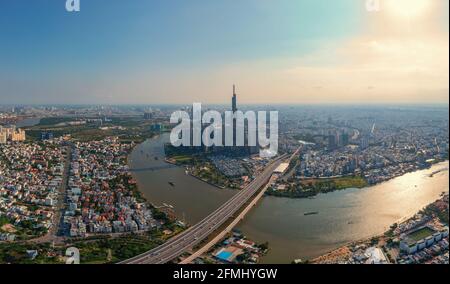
178 51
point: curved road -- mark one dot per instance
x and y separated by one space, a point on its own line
186 240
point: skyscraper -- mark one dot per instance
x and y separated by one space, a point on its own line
234 100
344 139
332 143
234 109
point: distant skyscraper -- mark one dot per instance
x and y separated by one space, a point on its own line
234 100
344 139
332 142
234 109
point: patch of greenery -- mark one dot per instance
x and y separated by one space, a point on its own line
112 250
182 159
3 220
131 129
16 253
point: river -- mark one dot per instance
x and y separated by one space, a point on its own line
27 122
344 216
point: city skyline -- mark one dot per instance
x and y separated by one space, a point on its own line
291 52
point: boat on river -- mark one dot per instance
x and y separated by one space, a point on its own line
311 213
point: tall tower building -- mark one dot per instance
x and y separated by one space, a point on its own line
234 109
234 100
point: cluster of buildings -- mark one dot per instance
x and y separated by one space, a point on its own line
423 244
30 180
336 139
12 134
376 164
378 156
234 172
363 254
424 238
229 167
100 194
8 115
417 221
376 143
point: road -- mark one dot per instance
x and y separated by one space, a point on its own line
191 237
54 234
229 228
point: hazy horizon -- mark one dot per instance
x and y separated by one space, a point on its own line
285 52
324 105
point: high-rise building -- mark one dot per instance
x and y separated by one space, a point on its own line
234 109
18 135
332 142
344 139
12 134
3 136
234 100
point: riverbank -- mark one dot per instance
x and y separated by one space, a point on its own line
312 187
438 171
20 121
